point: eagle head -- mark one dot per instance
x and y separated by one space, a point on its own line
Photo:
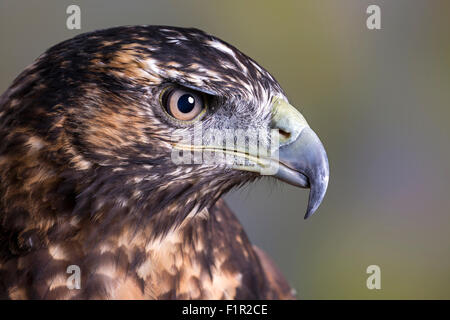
147 119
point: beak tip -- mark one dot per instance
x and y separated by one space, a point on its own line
312 207
317 192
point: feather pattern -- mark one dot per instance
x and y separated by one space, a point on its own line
86 177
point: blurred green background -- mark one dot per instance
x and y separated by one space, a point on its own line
378 99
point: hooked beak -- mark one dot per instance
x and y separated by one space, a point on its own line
302 160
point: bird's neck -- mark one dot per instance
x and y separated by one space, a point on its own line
160 247
188 261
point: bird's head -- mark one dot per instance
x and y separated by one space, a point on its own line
164 117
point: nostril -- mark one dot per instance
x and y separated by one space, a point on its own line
284 134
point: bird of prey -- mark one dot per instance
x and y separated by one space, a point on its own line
88 177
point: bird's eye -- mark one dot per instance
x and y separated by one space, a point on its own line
183 104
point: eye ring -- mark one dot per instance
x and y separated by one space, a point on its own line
183 105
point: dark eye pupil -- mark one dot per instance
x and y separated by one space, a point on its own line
186 103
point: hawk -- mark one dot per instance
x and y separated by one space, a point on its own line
88 177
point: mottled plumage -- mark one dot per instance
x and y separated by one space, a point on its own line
86 176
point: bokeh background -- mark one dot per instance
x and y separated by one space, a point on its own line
379 100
